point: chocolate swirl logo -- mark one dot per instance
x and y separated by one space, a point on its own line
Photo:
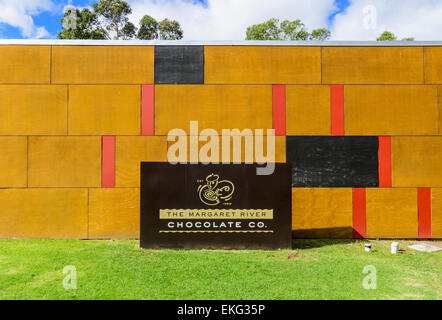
215 191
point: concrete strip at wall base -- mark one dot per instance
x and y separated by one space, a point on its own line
372 65
33 109
13 162
322 213
391 110
104 110
25 64
101 64
215 107
130 151
114 213
64 162
308 110
416 161
43 213
392 213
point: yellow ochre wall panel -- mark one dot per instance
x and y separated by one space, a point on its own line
262 65
308 110
392 213
104 110
216 107
103 64
433 65
13 162
130 151
322 212
416 161
33 110
280 150
114 213
64 161
436 213
391 110
372 65
43 213
25 64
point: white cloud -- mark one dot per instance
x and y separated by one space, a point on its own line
229 19
421 19
18 13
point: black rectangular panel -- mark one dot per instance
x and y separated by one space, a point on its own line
179 64
333 161
223 206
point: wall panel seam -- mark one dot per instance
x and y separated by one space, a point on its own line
438 91
88 213
424 62
67 110
50 65
27 161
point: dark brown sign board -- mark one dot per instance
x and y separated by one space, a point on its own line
215 206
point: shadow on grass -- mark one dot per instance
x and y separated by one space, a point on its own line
314 238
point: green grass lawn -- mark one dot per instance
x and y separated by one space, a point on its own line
315 269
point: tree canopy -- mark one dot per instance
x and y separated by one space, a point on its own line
110 20
389 36
273 29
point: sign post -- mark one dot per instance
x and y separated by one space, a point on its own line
216 206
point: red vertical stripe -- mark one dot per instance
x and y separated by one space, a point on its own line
385 162
147 110
359 214
279 109
424 205
337 110
108 162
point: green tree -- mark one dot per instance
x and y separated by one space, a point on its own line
115 16
286 30
170 30
293 30
110 20
129 31
389 36
148 28
320 34
166 29
268 30
81 24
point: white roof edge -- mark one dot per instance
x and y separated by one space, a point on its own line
218 43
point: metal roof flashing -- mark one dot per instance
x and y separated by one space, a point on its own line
220 43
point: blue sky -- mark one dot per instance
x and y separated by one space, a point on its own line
228 19
50 20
